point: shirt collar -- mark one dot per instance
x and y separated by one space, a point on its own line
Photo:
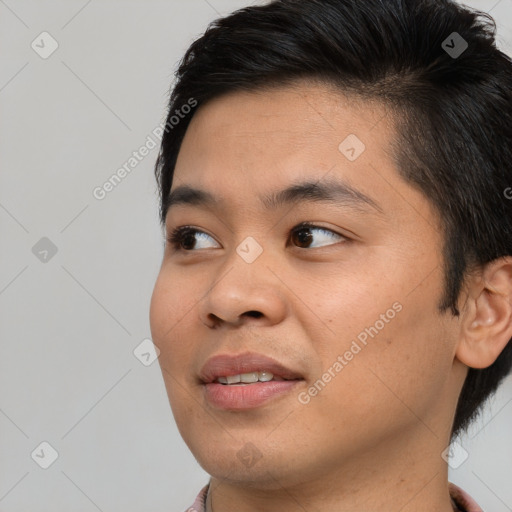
461 500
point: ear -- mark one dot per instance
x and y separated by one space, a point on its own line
486 326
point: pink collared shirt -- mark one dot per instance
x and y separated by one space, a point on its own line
461 500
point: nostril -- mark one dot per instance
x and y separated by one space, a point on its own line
254 314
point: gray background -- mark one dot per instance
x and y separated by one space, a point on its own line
69 326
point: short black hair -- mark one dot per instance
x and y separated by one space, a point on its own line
434 63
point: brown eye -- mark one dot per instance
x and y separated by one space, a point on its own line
303 236
188 241
185 238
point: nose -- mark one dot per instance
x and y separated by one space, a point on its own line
244 294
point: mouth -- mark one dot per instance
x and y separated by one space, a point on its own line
246 381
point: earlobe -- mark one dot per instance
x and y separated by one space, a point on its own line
487 320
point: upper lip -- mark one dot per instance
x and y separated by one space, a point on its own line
224 365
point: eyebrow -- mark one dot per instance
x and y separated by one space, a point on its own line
332 191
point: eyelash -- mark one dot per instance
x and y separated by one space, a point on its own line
175 238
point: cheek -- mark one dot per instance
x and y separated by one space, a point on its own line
175 295
397 373
170 311
389 349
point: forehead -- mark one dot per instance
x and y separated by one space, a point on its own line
287 122
244 145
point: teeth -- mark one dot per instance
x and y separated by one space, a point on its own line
265 376
233 379
248 378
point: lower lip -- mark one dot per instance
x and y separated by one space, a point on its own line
246 397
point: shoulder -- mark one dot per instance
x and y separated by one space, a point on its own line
463 500
199 504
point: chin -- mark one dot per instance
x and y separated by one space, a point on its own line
256 463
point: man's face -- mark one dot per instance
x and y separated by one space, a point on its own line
348 304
